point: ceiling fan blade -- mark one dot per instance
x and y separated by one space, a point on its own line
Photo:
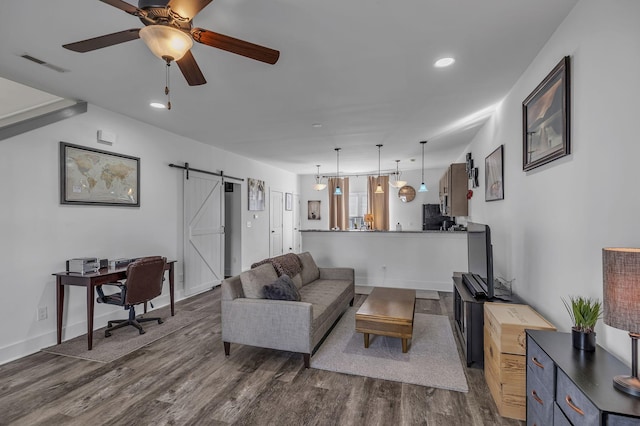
103 41
188 8
191 70
123 5
234 45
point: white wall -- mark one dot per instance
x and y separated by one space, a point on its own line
549 231
39 234
417 260
408 214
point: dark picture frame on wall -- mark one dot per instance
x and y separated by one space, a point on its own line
546 119
494 175
93 177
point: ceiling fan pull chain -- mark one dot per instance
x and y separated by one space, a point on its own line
166 87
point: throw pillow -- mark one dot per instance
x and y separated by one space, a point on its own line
254 279
281 289
310 271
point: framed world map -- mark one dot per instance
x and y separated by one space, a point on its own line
94 177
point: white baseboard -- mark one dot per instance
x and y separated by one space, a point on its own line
33 344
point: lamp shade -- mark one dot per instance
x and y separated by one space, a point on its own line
621 292
368 217
319 186
166 42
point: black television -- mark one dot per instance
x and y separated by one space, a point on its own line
480 256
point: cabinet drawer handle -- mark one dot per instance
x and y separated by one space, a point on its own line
573 407
535 396
536 362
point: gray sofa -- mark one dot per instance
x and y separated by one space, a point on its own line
295 326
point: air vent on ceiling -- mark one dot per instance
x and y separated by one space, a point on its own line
43 63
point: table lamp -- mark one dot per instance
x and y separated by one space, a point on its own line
621 303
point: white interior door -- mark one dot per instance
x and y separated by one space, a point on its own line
276 207
296 224
203 232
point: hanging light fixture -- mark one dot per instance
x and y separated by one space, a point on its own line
423 187
398 183
318 186
338 191
169 44
379 189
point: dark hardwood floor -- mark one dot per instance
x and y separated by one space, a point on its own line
185 379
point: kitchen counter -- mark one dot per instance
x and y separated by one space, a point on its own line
422 260
360 231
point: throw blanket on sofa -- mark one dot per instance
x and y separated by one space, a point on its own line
286 264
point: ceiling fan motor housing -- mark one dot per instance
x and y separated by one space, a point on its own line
145 4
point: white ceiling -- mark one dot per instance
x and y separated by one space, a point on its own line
361 68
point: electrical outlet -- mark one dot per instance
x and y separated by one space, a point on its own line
42 313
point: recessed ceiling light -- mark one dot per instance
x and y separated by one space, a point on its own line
444 62
316 125
157 105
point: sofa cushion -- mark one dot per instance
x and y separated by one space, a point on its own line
323 295
297 280
281 289
254 279
310 271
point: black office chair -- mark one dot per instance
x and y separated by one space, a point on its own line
143 283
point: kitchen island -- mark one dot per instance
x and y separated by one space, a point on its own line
421 260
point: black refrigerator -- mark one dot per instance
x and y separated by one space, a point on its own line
432 218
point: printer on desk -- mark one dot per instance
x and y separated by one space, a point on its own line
83 265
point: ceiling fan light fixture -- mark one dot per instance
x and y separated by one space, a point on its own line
166 42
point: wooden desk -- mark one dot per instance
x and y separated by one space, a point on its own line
90 281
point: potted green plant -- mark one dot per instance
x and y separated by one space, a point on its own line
585 313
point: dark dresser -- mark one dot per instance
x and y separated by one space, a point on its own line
566 386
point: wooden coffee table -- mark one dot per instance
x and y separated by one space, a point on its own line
387 312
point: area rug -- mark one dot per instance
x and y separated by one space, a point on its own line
432 359
420 294
125 340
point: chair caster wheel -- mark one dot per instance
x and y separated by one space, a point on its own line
142 331
160 321
107 334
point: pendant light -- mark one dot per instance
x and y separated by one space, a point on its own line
318 186
379 189
398 183
423 187
338 191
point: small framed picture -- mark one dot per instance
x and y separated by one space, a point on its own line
288 201
313 210
494 176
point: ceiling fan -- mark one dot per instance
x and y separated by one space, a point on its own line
169 33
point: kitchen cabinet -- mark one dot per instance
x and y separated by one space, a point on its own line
453 190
